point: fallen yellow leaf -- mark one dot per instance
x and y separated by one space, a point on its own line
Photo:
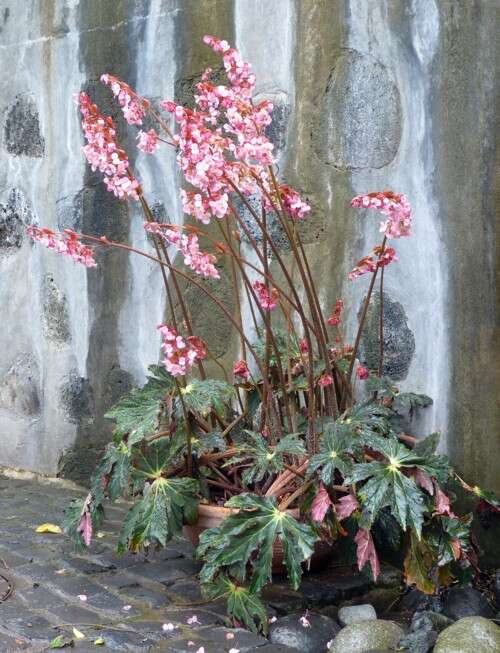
78 634
99 641
48 528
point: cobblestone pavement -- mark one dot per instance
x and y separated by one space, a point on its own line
128 599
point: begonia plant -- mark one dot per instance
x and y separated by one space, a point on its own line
298 437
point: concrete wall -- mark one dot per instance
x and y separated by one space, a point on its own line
369 95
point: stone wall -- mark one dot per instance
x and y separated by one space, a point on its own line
399 94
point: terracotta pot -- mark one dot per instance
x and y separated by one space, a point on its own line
210 516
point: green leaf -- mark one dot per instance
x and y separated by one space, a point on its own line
204 396
427 446
386 485
450 536
410 401
59 642
383 386
286 343
336 446
208 442
137 413
160 514
419 565
160 455
488 496
264 457
368 419
247 537
242 605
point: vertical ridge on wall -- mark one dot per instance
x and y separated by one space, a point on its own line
386 50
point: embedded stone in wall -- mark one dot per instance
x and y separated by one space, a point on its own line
185 87
77 398
22 134
117 383
55 318
360 124
276 131
310 230
208 321
15 214
69 212
20 387
399 341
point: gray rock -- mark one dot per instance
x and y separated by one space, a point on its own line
290 632
361 120
389 576
351 614
469 635
496 587
367 635
428 620
420 641
466 602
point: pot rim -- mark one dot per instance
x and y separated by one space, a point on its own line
213 509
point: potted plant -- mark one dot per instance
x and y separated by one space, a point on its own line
297 445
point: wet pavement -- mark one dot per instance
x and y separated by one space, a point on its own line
117 603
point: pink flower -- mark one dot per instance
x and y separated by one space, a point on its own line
180 354
240 368
304 621
385 256
103 152
65 243
193 620
325 380
85 527
366 551
334 319
394 206
293 204
371 264
362 373
132 105
268 297
195 259
303 346
148 141
364 265
321 503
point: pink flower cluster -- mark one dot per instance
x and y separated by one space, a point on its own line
148 141
65 243
293 203
195 259
240 368
180 354
103 152
394 206
325 380
222 144
268 297
362 373
335 317
133 106
370 264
